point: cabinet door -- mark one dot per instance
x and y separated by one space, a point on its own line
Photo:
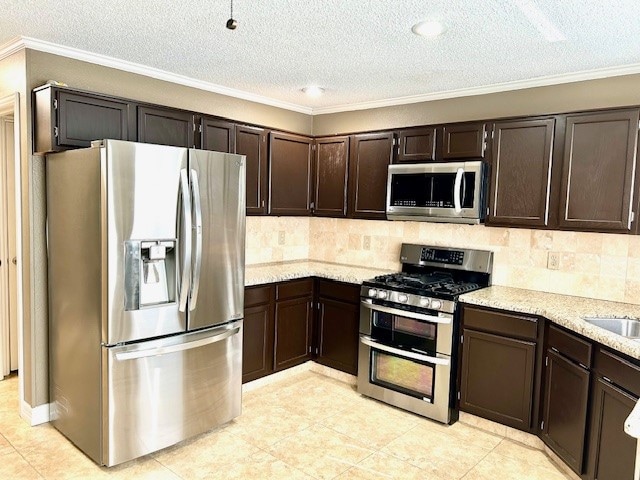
497 378
612 452
370 156
338 335
332 156
290 176
293 332
521 172
598 170
165 126
83 118
566 395
252 142
217 135
464 141
416 145
258 337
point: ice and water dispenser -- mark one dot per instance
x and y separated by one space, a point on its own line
150 273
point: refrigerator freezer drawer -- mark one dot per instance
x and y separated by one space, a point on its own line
160 392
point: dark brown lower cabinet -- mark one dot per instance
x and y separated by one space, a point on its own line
338 335
293 323
258 333
566 397
497 378
612 452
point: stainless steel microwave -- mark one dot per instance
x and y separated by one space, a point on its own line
452 192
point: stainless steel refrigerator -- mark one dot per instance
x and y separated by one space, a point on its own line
146 294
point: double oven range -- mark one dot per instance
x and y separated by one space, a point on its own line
409 328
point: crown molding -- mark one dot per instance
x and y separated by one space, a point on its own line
131 67
544 81
20 43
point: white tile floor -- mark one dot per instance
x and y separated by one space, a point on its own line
301 427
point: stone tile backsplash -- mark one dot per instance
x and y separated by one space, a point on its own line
596 265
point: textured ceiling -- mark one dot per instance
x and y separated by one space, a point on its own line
358 50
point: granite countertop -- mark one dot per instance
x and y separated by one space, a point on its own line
280 271
564 310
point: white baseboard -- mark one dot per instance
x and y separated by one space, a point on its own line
34 415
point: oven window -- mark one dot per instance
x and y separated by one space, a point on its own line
403 375
414 327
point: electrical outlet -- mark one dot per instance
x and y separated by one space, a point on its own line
553 261
366 242
281 235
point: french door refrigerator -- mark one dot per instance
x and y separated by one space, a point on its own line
146 294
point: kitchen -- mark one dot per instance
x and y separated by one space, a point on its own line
591 264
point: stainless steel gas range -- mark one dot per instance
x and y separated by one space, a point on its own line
409 328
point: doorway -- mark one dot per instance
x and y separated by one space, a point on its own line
10 277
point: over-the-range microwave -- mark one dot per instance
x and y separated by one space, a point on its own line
437 192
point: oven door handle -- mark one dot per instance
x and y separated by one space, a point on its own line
404 313
404 353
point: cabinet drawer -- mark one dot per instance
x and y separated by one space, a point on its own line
570 346
295 288
257 295
619 370
340 291
502 323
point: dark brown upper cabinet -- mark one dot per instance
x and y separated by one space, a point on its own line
598 170
416 145
290 174
252 142
217 135
332 168
369 158
166 126
521 173
67 119
465 140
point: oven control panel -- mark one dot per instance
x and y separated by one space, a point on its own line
451 257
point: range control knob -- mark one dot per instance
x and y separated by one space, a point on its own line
424 302
382 294
372 292
436 304
402 297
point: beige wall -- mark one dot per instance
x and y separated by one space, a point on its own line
594 265
41 67
96 78
306 238
609 92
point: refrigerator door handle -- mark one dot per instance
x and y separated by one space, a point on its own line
197 227
152 352
185 240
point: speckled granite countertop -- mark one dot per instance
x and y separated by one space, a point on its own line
278 272
564 310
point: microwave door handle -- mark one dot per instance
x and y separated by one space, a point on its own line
185 240
457 190
197 227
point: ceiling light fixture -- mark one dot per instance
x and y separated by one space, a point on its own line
313 90
231 23
540 21
428 28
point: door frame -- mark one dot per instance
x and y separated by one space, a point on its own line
11 104
5 297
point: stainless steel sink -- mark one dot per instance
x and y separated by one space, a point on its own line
626 327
